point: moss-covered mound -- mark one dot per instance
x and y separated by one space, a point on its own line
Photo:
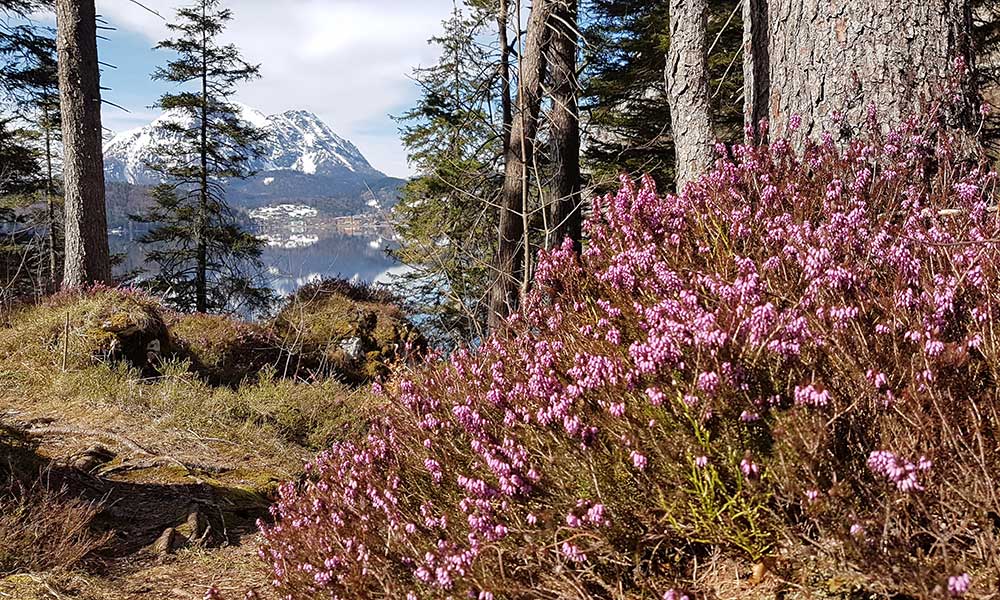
355 332
223 350
78 327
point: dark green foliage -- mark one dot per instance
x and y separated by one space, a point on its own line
175 243
624 101
20 166
28 128
446 217
207 261
27 54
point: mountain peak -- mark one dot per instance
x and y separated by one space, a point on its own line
297 140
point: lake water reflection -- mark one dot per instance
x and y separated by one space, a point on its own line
354 257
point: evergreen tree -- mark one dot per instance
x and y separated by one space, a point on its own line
20 168
29 90
207 261
38 82
624 100
87 257
446 217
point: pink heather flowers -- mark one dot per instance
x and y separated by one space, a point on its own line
639 461
958 585
812 395
900 472
790 315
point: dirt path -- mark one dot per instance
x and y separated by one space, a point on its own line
180 509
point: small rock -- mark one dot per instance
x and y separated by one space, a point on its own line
353 348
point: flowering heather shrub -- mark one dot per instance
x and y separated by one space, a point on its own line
795 356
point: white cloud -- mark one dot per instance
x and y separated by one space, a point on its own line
346 60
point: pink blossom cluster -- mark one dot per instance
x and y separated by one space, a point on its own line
901 472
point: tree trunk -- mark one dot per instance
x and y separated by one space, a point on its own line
828 61
687 90
201 258
565 120
503 19
509 263
86 230
756 70
50 201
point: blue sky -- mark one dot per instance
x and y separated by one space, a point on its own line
348 61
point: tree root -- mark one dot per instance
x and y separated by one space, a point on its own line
98 433
153 460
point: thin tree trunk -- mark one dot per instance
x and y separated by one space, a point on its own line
829 61
756 66
509 263
566 215
50 200
201 274
503 18
687 90
86 229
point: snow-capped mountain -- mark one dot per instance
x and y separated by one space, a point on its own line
297 141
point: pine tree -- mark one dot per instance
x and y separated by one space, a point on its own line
512 260
624 100
823 68
37 82
566 212
207 261
686 80
446 217
87 257
29 85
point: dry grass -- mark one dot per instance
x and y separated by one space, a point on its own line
42 528
176 421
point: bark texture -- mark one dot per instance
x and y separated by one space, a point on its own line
756 73
503 22
509 263
565 217
687 89
828 60
86 230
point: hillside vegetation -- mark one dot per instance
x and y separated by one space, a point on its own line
139 446
781 383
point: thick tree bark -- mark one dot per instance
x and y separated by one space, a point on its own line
828 60
687 90
565 121
86 230
50 201
509 263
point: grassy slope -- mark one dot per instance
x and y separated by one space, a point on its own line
176 442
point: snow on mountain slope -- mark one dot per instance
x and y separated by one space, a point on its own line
297 140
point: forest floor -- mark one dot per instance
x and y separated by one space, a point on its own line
180 508
118 484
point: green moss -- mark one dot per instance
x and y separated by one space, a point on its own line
101 324
321 318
